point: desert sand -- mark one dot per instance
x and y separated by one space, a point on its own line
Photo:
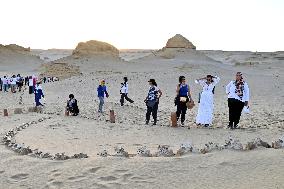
91 133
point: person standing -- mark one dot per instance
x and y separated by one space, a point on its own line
1 84
31 85
152 101
183 96
238 97
38 94
205 110
20 81
5 84
124 92
13 83
102 92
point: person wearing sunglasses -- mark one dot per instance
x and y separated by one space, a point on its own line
152 101
205 110
238 97
183 96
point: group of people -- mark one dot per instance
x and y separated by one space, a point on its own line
13 83
237 91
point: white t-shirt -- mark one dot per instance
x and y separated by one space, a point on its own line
5 81
231 91
13 81
124 88
31 83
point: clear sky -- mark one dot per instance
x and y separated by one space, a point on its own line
255 25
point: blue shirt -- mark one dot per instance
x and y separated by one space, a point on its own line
102 90
183 90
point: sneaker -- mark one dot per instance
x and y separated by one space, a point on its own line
236 127
147 122
182 124
206 125
155 122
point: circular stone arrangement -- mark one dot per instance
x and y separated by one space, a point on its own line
162 150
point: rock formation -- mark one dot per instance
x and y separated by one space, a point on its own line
95 48
15 48
178 41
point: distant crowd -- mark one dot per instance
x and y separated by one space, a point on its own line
15 83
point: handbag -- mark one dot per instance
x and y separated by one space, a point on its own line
190 104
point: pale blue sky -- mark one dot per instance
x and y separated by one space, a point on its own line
255 25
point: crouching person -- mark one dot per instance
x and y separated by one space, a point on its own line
72 106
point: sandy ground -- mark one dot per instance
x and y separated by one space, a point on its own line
91 133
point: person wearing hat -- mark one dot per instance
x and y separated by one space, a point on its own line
152 101
38 94
183 96
72 105
124 92
102 92
238 97
205 110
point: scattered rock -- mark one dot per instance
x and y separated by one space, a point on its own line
104 153
278 143
120 152
79 156
18 111
144 152
234 144
164 151
184 149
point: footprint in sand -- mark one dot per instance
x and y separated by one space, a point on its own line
57 184
94 169
76 178
19 177
2 172
121 171
108 178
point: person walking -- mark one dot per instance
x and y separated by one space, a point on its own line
124 92
205 110
38 94
238 97
152 101
182 98
102 92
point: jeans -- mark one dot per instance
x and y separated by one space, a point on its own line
5 88
101 98
235 111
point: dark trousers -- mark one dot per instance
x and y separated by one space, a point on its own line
152 110
235 111
181 110
31 89
124 96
